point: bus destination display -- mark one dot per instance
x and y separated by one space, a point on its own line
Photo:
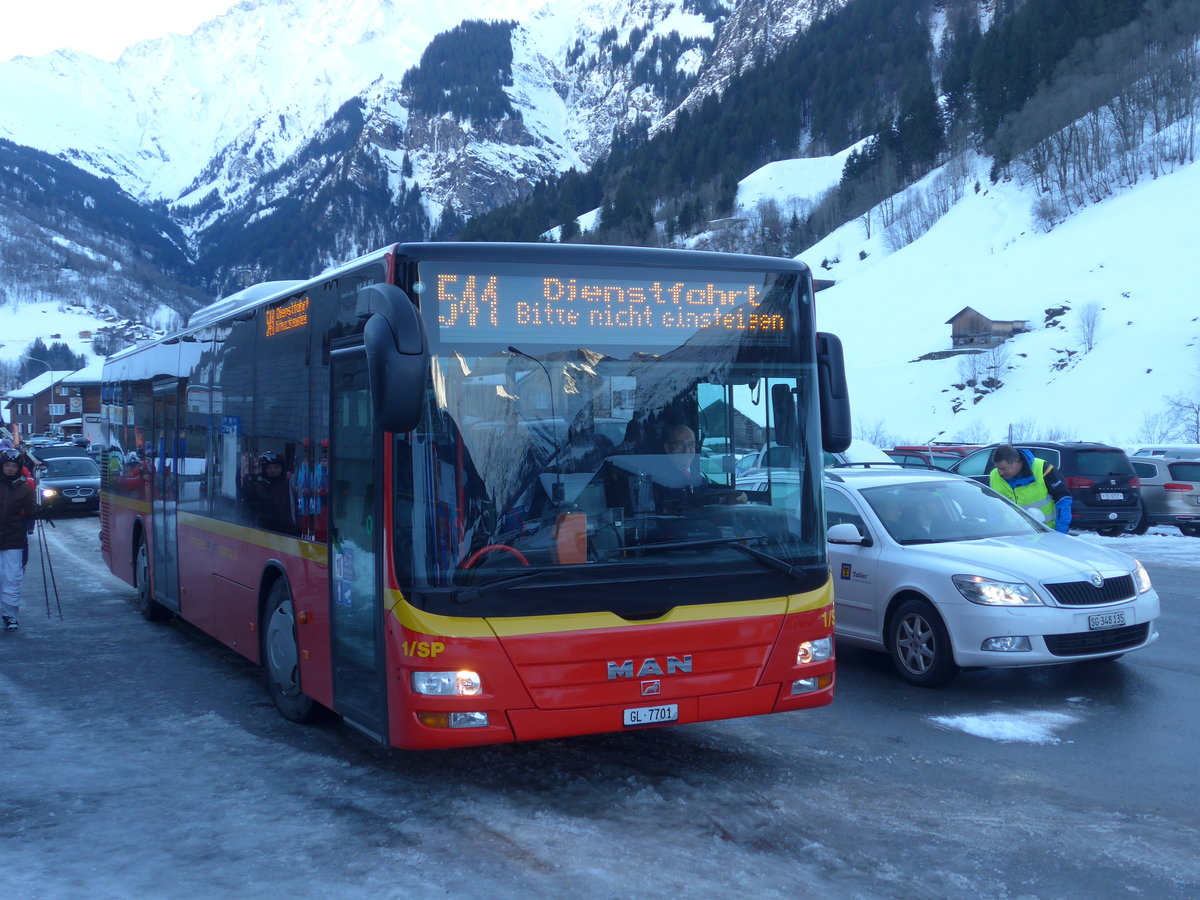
605 306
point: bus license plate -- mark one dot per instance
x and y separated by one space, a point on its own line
652 715
1106 620
1110 496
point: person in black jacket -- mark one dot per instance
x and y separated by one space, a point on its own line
271 496
17 513
680 484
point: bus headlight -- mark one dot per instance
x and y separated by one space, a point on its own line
462 684
453 720
814 651
808 685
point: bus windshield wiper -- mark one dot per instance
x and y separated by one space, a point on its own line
468 593
766 559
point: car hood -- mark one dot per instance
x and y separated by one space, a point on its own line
60 481
1049 557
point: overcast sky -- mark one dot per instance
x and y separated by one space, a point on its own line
102 28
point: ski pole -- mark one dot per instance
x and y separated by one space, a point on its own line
48 564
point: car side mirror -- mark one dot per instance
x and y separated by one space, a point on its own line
845 533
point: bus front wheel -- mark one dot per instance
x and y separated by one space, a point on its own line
151 609
281 656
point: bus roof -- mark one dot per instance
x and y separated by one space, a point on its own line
264 292
572 254
597 254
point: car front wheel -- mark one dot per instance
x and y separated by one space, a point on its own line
920 645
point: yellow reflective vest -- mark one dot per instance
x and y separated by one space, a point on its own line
1034 497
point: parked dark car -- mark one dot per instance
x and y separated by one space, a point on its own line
1105 491
69 484
923 459
941 447
1170 493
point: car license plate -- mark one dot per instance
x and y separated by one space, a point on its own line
1100 621
1110 496
78 499
652 715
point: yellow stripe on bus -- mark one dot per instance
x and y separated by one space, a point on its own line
128 502
280 543
452 626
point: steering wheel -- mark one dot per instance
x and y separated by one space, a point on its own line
483 551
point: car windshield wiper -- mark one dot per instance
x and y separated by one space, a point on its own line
766 559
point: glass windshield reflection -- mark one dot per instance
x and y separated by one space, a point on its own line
946 511
578 465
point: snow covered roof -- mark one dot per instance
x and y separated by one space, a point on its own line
35 386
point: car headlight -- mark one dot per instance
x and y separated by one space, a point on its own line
47 493
982 590
1141 577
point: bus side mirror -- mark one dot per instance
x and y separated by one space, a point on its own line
783 408
397 356
834 394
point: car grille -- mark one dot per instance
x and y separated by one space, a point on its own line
1087 642
78 492
1084 593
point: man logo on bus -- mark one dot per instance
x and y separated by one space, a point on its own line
650 666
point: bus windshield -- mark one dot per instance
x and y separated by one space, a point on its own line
583 470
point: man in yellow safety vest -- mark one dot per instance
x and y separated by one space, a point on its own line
1032 484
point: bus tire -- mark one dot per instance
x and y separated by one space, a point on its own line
920 645
281 656
151 609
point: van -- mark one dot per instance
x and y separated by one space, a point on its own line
1170 493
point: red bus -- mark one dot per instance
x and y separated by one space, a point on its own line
474 493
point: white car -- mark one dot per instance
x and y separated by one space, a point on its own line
943 573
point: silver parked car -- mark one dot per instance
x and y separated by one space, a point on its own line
943 573
1179 451
1170 493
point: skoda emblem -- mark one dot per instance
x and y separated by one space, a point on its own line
1097 580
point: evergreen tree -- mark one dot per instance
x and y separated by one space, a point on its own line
464 72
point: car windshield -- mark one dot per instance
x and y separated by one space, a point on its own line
71 466
934 512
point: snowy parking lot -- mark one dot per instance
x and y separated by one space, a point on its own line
145 761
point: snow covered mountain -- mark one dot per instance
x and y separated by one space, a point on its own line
302 124
1131 378
300 133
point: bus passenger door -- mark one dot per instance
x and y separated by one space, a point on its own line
356 626
162 458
